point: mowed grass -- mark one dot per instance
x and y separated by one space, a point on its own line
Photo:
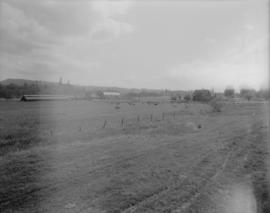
57 157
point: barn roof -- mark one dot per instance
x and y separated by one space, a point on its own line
111 93
45 97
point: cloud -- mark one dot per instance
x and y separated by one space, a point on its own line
20 33
210 41
109 29
108 8
241 60
39 36
65 18
249 66
249 27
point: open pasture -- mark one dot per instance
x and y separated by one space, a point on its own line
103 156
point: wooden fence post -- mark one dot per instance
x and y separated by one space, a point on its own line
122 122
104 125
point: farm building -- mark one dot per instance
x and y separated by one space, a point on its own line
111 94
45 97
202 95
91 95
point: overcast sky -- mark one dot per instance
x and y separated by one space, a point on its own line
140 44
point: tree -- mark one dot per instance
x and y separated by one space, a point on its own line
2 91
247 93
16 91
229 92
263 93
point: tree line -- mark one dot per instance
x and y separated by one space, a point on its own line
16 91
248 93
205 95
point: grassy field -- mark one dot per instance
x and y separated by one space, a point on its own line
103 156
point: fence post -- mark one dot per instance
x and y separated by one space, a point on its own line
104 125
122 122
151 117
138 118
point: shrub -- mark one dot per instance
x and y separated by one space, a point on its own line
173 99
187 97
216 105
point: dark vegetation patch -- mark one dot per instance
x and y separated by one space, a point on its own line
19 181
256 165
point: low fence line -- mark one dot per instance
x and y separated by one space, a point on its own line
139 118
123 122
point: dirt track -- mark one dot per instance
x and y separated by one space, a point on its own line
168 166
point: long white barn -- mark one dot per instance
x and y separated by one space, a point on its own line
112 94
45 97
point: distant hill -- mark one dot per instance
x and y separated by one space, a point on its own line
20 82
18 87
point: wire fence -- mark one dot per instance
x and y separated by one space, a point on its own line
128 120
139 119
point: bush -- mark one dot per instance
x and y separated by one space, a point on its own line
216 105
176 98
247 93
173 99
187 98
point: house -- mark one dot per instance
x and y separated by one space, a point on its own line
45 97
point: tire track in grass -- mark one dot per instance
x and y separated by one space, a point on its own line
153 196
143 153
193 194
145 196
179 184
186 206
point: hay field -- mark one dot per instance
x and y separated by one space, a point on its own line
102 156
